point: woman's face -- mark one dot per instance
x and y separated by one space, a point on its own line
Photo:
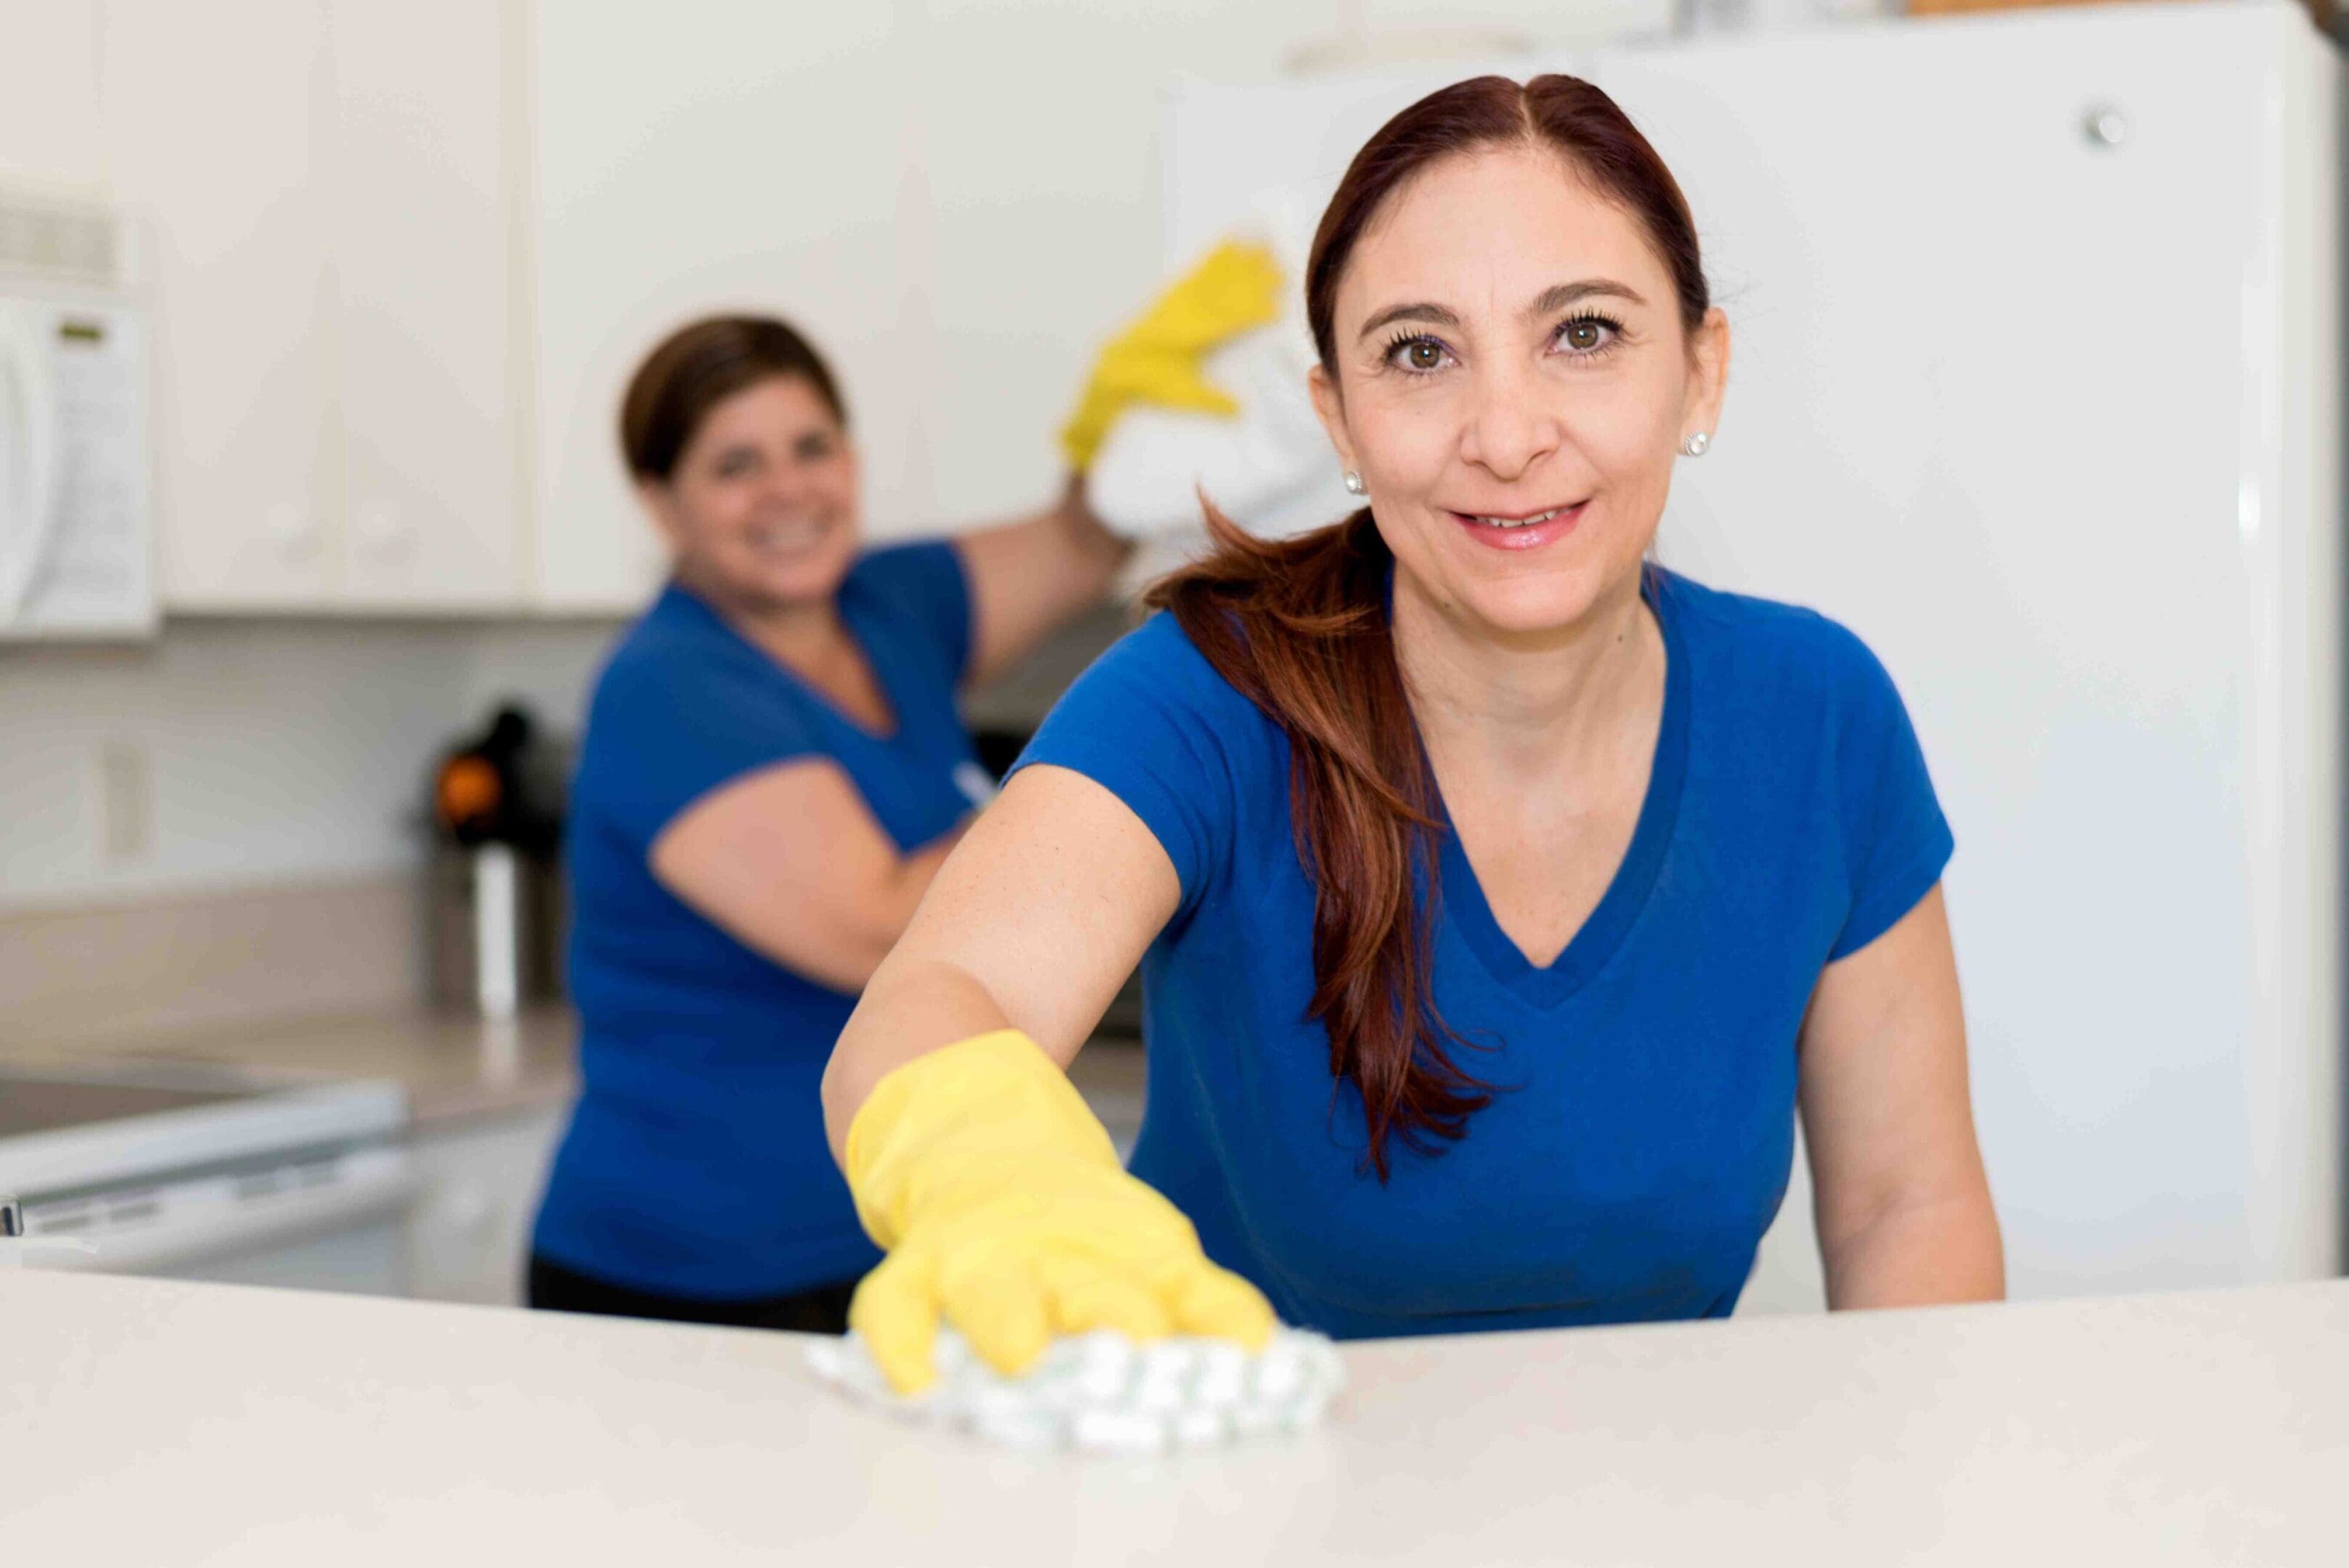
1509 346
761 511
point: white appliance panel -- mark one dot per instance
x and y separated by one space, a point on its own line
76 534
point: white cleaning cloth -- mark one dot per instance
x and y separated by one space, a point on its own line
1271 469
1104 1393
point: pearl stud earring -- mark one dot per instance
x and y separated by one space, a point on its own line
1354 484
1696 444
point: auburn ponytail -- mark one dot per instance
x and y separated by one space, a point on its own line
1299 627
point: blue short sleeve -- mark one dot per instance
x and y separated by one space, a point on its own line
1156 725
923 585
1896 840
665 733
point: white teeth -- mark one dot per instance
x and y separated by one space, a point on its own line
787 536
1520 522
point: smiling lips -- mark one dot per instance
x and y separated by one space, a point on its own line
789 537
1529 531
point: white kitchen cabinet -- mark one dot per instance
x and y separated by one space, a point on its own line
693 158
324 188
48 96
422 225
469 1231
212 121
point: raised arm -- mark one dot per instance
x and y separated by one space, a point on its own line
1031 576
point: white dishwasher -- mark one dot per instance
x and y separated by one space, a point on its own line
209 1173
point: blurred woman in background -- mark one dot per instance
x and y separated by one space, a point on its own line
773 769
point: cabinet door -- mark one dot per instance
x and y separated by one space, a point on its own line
692 158
1990 406
469 1231
48 94
210 116
422 230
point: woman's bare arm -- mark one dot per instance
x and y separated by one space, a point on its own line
1902 1205
789 860
1029 577
1035 921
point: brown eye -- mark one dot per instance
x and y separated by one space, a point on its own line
1417 356
1589 337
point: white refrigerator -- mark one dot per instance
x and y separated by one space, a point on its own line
2037 386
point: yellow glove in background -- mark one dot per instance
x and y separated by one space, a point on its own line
1002 1206
1156 359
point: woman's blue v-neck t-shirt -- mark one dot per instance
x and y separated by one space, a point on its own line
1644 1141
695 1164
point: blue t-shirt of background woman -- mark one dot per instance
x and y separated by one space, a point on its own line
695 1164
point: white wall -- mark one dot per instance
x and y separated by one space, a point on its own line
271 751
48 97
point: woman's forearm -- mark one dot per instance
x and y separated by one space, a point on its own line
909 1009
1919 1254
1032 575
1040 914
1105 554
1083 539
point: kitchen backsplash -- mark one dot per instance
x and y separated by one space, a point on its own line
228 754
222 826
120 973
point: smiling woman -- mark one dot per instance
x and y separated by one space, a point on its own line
773 770
1503 410
1501 899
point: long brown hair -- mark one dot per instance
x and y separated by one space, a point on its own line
1300 627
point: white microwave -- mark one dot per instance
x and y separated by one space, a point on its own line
76 534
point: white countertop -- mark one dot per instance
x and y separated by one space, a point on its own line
147 1421
455 1069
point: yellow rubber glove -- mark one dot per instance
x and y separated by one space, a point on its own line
1156 359
1003 1207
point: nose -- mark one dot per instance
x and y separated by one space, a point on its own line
784 483
1509 426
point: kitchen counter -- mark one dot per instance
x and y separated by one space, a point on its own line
452 1067
151 1422
456 1068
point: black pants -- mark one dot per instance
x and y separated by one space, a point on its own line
822 1309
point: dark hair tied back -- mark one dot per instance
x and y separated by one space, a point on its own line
699 366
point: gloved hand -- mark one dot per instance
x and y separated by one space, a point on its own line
1003 1207
1156 359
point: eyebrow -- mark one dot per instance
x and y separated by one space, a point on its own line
1420 311
1557 297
